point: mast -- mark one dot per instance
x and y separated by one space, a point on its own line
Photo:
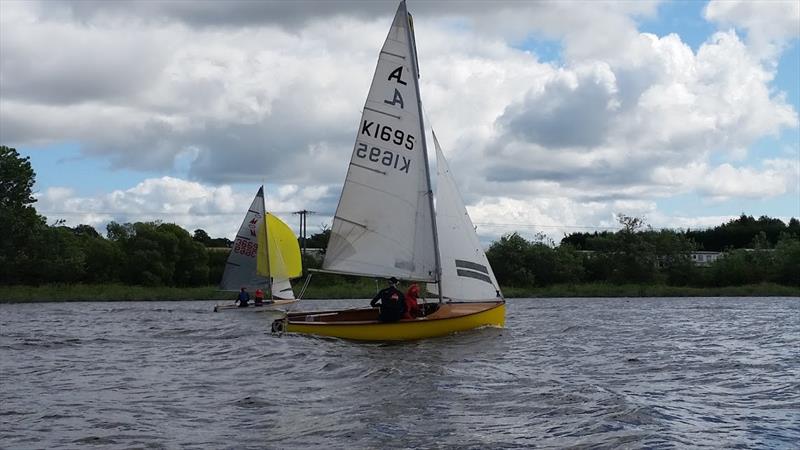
266 241
415 71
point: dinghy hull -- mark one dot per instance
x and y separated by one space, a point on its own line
362 324
265 307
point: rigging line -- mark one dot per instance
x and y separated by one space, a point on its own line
142 213
529 225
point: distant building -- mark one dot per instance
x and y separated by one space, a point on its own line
317 253
703 258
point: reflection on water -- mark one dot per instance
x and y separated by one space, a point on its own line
565 372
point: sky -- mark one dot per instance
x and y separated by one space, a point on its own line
556 117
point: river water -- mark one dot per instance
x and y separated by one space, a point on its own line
599 373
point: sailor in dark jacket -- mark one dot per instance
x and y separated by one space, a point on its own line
244 298
391 301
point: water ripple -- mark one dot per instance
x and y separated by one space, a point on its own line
574 373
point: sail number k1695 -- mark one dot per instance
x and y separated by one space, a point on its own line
387 134
386 157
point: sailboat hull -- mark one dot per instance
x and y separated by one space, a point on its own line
265 307
362 324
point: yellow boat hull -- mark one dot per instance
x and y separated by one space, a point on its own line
449 318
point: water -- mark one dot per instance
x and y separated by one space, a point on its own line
654 373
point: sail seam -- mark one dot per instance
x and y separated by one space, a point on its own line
351 222
393 54
383 191
382 112
368 168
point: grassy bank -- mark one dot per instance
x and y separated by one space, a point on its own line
106 292
366 288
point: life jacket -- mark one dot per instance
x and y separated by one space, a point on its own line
412 307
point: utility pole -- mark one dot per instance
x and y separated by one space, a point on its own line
303 223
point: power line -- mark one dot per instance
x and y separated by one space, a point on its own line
238 213
152 213
533 225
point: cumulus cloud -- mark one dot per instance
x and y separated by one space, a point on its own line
769 25
245 92
586 130
218 210
572 110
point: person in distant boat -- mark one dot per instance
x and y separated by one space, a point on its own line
391 301
259 301
412 307
244 298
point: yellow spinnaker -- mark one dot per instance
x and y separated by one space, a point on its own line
284 251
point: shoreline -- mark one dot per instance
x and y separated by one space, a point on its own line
118 292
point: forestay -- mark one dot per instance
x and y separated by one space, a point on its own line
383 224
466 273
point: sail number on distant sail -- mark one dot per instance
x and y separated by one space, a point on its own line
245 247
386 133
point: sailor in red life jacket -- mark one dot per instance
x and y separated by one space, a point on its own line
412 307
259 297
391 302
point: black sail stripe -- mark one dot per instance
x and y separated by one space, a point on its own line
471 265
475 275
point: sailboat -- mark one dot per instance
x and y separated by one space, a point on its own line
386 225
265 255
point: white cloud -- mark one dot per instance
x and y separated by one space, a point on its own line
777 177
218 210
769 24
248 91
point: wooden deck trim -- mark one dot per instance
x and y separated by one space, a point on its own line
431 318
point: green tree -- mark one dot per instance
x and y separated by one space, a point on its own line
61 257
216 264
673 252
568 265
318 240
191 259
202 237
19 222
633 259
508 259
787 260
104 260
160 254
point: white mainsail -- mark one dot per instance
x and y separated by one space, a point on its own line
384 224
466 273
241 267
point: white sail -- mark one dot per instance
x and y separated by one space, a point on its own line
466 273
241 269
383 224
282 289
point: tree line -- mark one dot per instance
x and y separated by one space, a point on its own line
164 254
755 251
